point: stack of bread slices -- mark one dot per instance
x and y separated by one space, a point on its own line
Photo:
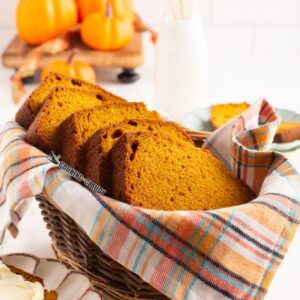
130 151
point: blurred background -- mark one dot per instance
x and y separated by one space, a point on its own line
254 51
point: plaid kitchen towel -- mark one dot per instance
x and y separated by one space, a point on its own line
230 253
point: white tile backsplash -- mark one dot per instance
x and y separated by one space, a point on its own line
7 13
254 11
205 9
278 40
6 35
233 27
298 11
230 40
152 11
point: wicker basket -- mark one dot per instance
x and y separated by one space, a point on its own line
73 247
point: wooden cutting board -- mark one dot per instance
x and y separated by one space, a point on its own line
129 57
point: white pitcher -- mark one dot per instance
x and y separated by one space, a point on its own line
182 62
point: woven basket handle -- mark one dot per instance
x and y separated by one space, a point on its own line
197 136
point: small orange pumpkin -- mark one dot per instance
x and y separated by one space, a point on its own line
121 8
72 68
39 21
108 31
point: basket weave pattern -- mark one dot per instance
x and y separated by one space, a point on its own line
73 247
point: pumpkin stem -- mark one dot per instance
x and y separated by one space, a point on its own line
108 10
71 57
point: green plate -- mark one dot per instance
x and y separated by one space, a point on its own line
200 120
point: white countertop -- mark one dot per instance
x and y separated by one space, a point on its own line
231 79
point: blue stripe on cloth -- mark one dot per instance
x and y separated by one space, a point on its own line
64 177
295 170
285 209
284 239
7 177
190 241
59 185
231 217
11 144
254 166
248 136
3 132
100 239
159 232
192 254
220 275
290 199
260 145
218 154
104 229
13 179
44 172
96 219
212 262
296 195
205 280
48 180
148 226
108 237
143 248
251 153
234 283
290 168
166 237
116 222
263 130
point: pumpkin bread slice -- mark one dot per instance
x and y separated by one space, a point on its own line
78 128
61 103
223 113
98 147
287 132
31 106
156 171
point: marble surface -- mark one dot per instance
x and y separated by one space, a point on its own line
231 79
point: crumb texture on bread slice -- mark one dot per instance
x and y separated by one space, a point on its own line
156 171
61 103
78 128
98 147
223 113
31 106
